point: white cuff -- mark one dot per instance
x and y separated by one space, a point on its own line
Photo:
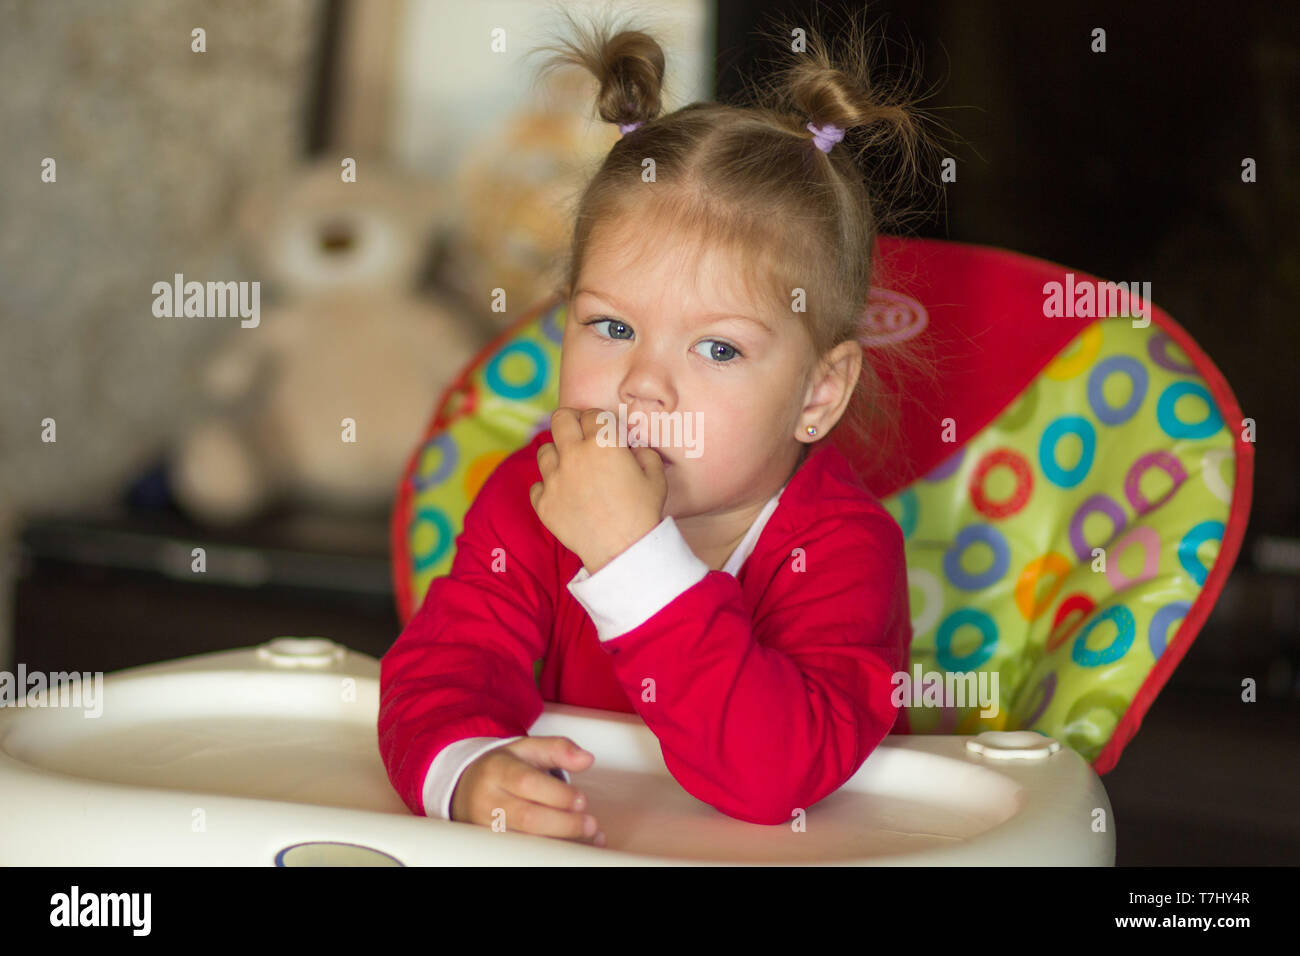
640 582
444 772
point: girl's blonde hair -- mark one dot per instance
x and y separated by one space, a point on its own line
750 181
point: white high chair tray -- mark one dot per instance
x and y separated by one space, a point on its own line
269 755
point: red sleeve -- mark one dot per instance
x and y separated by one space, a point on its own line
758 718
463 665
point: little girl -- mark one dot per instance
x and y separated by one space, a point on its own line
749 599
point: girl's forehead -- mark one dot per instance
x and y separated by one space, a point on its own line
657 238
700 277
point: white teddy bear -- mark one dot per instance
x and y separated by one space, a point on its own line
323 400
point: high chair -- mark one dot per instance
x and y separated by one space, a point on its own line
1072 492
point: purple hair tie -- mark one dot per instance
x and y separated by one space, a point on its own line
826 136
626 128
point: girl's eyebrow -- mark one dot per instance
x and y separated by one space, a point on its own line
733 315
709 317
599 295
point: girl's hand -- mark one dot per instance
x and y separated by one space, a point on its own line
514 779
597 500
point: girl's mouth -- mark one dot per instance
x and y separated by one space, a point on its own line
668 462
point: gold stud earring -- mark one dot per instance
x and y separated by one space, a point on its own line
811 430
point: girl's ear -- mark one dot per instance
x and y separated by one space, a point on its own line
833 381
848 360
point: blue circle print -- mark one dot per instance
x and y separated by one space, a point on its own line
1205 531
450 456
1175 427
541 369
1126 628
976 658
1052 435
1158 635
439 520
972 534
908 504
1137 375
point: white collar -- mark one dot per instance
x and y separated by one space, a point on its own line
746 546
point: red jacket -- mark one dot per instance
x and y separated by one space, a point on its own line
771 688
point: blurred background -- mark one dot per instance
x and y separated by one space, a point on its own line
170 141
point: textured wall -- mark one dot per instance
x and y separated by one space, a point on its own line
153 144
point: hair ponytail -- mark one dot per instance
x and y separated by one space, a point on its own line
628 66
885 134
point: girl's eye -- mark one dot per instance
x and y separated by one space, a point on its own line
721 352
613 323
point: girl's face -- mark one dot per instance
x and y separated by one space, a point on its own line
676 341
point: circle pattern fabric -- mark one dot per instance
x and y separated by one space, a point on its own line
1061 547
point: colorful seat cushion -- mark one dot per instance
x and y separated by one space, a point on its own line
1063 546
1043 440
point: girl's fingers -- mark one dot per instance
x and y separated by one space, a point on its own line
538 786
548 752
524 816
